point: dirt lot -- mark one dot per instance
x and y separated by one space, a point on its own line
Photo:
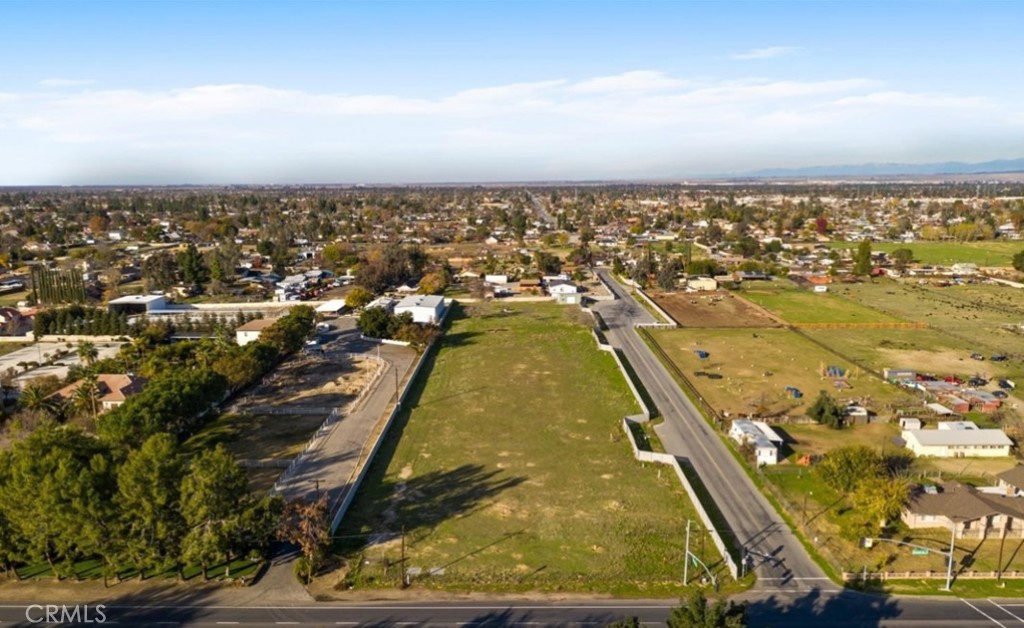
329 381
749 371
712 309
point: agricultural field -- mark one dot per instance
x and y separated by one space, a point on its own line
925 350
712 309
980 314
948 253
751 369
798 306
509 471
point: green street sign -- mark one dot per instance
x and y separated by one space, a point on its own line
919 551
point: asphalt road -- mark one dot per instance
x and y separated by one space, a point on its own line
780 561
842 610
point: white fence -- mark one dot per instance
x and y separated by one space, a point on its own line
363 466
645 411
670 460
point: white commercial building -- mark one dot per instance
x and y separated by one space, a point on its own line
702 284
137 303
425 308
958 439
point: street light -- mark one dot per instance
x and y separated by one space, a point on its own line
869 542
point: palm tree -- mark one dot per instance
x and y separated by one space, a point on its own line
87 395
33 398
87 353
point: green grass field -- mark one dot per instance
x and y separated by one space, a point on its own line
970 318
258 436
948 253
798 306
743 357
510 470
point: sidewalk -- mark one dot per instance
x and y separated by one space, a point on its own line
329 468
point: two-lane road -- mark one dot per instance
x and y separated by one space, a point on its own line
779 559
809 610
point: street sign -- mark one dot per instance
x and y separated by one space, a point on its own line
919 551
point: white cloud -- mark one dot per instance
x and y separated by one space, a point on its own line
636 81
766 53
64 82
603 126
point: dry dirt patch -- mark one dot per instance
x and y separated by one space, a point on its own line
712 309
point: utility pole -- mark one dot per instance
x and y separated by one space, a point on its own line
999 566
405 577
949 566
686 560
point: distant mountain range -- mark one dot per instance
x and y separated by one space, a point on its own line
892 169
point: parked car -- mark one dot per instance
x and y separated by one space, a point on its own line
1000 394
1001 357
1006 384
977 382
977 356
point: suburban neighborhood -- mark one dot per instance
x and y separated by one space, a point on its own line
509 314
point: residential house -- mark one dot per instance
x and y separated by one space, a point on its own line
1011 481
565 292
112 390
764 439
250 332
970 512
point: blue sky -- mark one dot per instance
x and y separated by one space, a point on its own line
282 92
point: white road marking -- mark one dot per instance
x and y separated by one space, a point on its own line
793 579
986 615
1000 607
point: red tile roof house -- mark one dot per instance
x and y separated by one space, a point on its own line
113 389
976 515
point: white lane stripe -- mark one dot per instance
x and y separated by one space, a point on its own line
1000 607
989 617
793 579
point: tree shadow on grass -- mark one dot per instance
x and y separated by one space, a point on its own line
423 501
460 339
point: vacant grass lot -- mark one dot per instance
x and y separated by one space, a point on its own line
510 471
948 253
798 306
258 436
757 365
